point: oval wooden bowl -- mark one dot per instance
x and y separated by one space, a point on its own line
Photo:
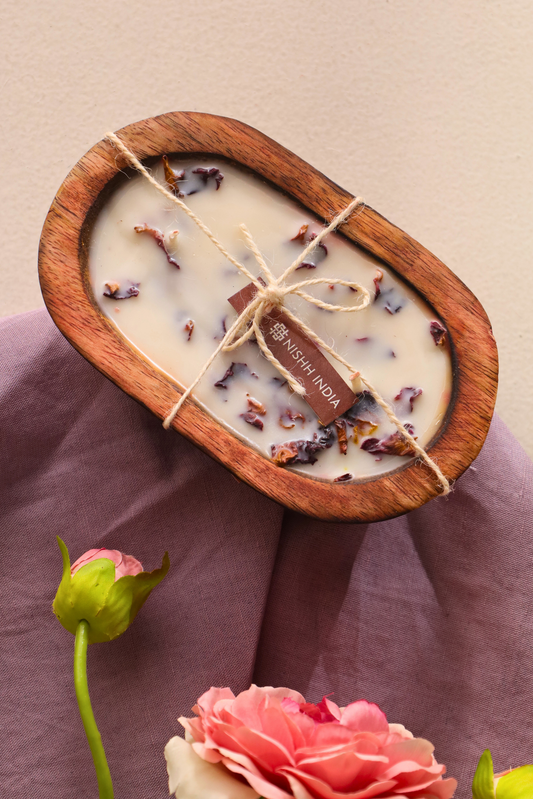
63 271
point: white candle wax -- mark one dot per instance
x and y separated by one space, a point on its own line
179 315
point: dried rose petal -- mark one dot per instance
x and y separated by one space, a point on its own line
300 236
159 239
408 400
392 445
438 332
282 454
343 478
255 405
224 330
377 281
302 451
172 178
209 172
363 428
342 439
113 290
319 253
291 416
233 370
189 327
391 299
252 419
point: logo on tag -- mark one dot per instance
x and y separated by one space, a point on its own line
325 390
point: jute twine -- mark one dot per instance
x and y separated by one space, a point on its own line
271 295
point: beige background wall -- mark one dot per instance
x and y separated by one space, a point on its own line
424 108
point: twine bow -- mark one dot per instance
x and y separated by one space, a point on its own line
272 295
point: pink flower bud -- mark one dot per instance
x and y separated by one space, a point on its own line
124 564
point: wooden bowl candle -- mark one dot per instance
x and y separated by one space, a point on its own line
144 294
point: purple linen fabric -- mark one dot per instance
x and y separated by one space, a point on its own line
430 615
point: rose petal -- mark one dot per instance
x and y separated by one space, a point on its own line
441 789
342 769
416 749
208 700
324 791
277 725
192 777
363 715
266 789
193 727
206 753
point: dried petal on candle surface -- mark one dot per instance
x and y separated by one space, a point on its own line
172 178
342 439
253 419
209 172
233 370
159 239
438 332
223 330
377 282
118 292
392 445
292 416
255 405
300 236
317 255
189 327
406 397
302 451
343 478
363 428
391 299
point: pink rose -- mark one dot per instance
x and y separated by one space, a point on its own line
124 564
282 746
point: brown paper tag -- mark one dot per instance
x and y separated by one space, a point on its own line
325 390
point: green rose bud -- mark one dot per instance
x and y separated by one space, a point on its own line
104 588
517 783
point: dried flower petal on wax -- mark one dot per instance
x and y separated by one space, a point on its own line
302 451
300 236
343 478
342 439
392 445
291 416
172 178
377 281
407 397
233 370
223 329
438 332
255 405
189 327
209 172
319 253
159 239
253 419
363 428
115 292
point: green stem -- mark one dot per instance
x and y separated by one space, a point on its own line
105 786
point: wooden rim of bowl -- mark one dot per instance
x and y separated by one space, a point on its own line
63 273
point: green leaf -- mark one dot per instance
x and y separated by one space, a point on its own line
483 784
518 784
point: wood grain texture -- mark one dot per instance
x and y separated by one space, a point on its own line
63 271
